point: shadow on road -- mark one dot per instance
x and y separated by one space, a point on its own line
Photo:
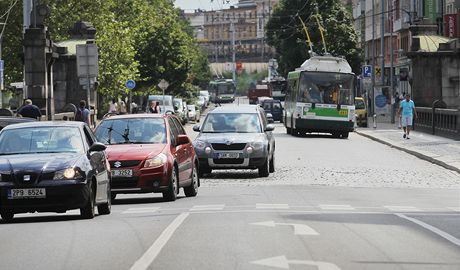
42 219
236 175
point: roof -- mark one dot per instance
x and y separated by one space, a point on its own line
430 43
71 45
46 124
140 115
236 109
326 64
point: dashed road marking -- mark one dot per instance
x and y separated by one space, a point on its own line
141 210
336 207
399 208
209 207
271 206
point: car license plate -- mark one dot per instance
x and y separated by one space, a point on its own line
122 173
228 155
24 193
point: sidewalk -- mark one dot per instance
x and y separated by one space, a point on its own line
438 150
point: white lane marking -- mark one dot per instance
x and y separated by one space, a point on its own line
272 206
209 207
299 229
150 255
282 262
141 210
396 208
336 207
433 229
456 209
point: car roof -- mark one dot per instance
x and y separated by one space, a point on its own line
140 115
46 124
237 109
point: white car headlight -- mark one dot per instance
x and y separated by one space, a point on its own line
69 173
200 145
157 161
257 145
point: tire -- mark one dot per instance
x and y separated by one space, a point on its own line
336 135
7 216
272 164
345 135
264 170
192 190
171 194
113 196
88 211
106 208
288 130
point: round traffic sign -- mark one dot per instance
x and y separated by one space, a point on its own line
131 84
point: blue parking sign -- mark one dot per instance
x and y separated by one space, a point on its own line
367 71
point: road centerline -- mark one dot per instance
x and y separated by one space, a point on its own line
150 255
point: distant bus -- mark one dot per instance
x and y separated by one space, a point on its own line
222 91
278 88
320 98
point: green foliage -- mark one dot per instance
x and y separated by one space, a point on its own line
144 40
286 34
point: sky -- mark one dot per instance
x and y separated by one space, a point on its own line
203 4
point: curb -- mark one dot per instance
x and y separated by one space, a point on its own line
414 153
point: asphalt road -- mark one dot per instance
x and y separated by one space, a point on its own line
332 204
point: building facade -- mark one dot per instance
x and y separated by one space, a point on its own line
213 29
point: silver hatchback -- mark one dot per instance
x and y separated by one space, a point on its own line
236 137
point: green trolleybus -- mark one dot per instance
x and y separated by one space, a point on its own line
222 91
319 98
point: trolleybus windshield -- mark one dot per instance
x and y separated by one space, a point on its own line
326 88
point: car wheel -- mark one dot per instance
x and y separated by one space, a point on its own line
113 196
106 208
171 194
264 170
288 130
345 135
7 216
192 190
87 211
336 135
272 164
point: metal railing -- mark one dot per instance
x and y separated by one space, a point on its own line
437 121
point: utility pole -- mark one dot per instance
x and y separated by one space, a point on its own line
373 58
392 87
382 42
232 29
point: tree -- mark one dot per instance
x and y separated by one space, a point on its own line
285 32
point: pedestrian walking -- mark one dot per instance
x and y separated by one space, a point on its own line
154 107
122 107
407 113
83 114
113 106
30 110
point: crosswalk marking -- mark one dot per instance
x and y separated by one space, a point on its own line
336 207
144 210
398 208
209 207
271 206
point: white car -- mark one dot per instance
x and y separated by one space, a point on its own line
193 113
206 95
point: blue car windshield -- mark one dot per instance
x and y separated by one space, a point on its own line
232 123
41 140
132 131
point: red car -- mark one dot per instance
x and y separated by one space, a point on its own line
149 153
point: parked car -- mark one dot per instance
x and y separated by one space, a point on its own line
236 137
361 112
179 110
273 107
8 120
52 167
167 107
149 153
193 113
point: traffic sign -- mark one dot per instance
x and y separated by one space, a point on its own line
163 84
367 71
131 84
378 71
